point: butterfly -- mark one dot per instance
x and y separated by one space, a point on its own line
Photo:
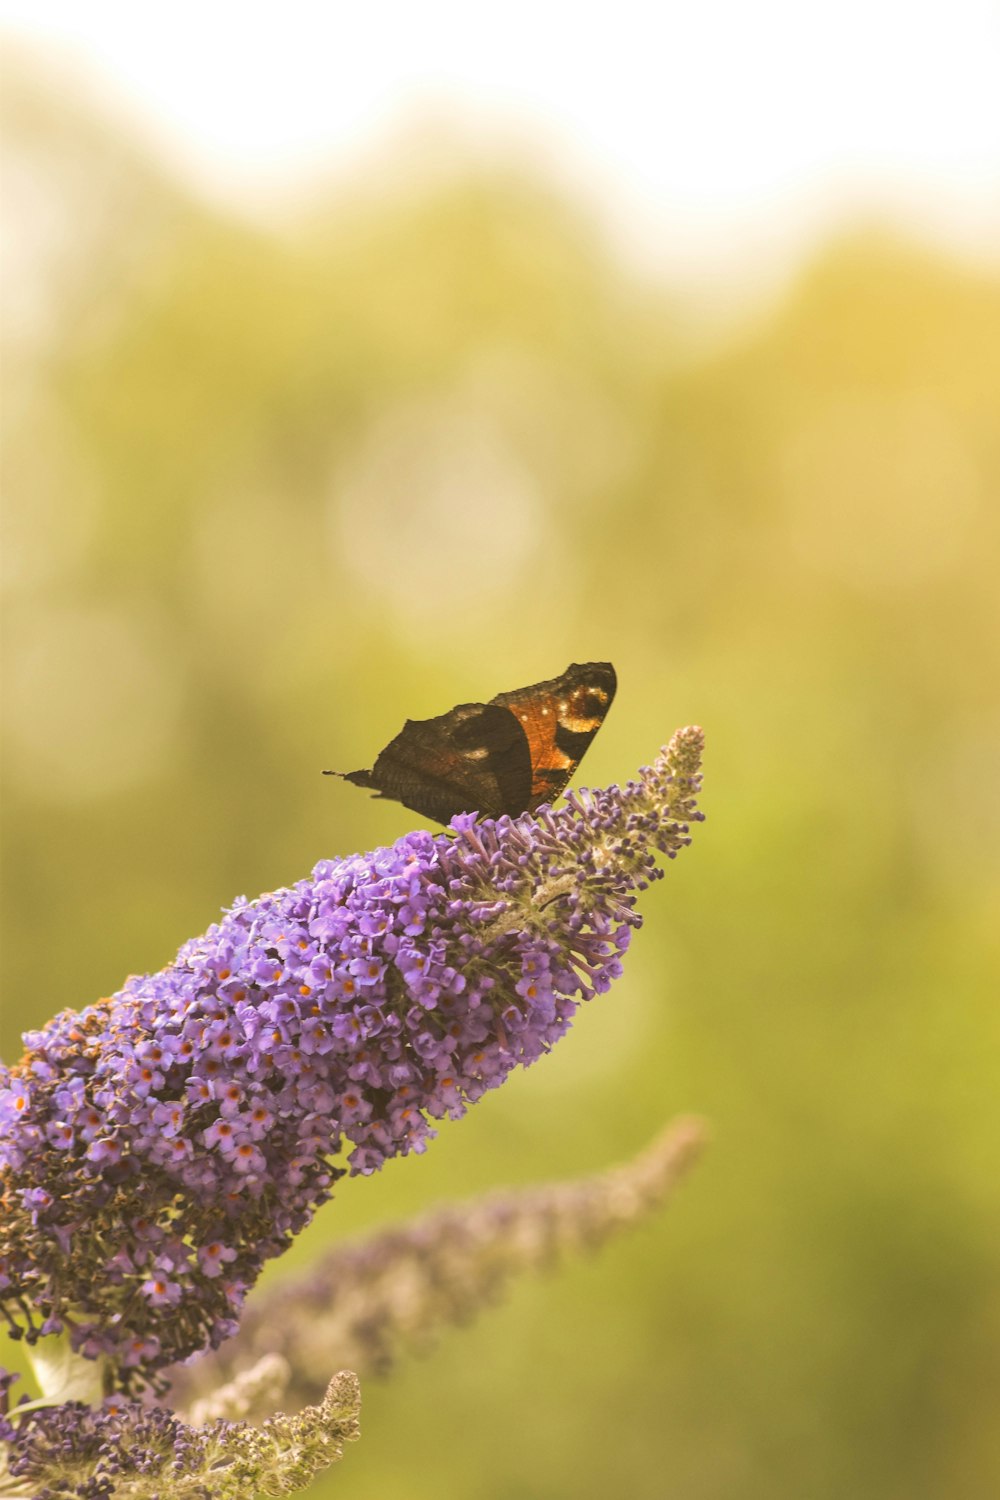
506 756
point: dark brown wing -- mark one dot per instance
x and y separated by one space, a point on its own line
472 759
560 718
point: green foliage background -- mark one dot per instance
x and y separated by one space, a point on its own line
269 493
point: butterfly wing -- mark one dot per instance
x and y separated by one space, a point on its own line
474 758
506 756
560 718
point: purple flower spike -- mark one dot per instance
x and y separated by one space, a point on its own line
158 1147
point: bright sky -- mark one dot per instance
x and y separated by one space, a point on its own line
710 131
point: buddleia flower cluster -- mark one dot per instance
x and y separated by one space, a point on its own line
126 1448
158 1147
367 1302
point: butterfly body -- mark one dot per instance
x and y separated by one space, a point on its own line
506 756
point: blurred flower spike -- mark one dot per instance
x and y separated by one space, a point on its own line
158 1147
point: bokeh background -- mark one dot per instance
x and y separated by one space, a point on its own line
433 425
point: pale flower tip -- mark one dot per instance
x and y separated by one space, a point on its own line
674 1151
683 755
